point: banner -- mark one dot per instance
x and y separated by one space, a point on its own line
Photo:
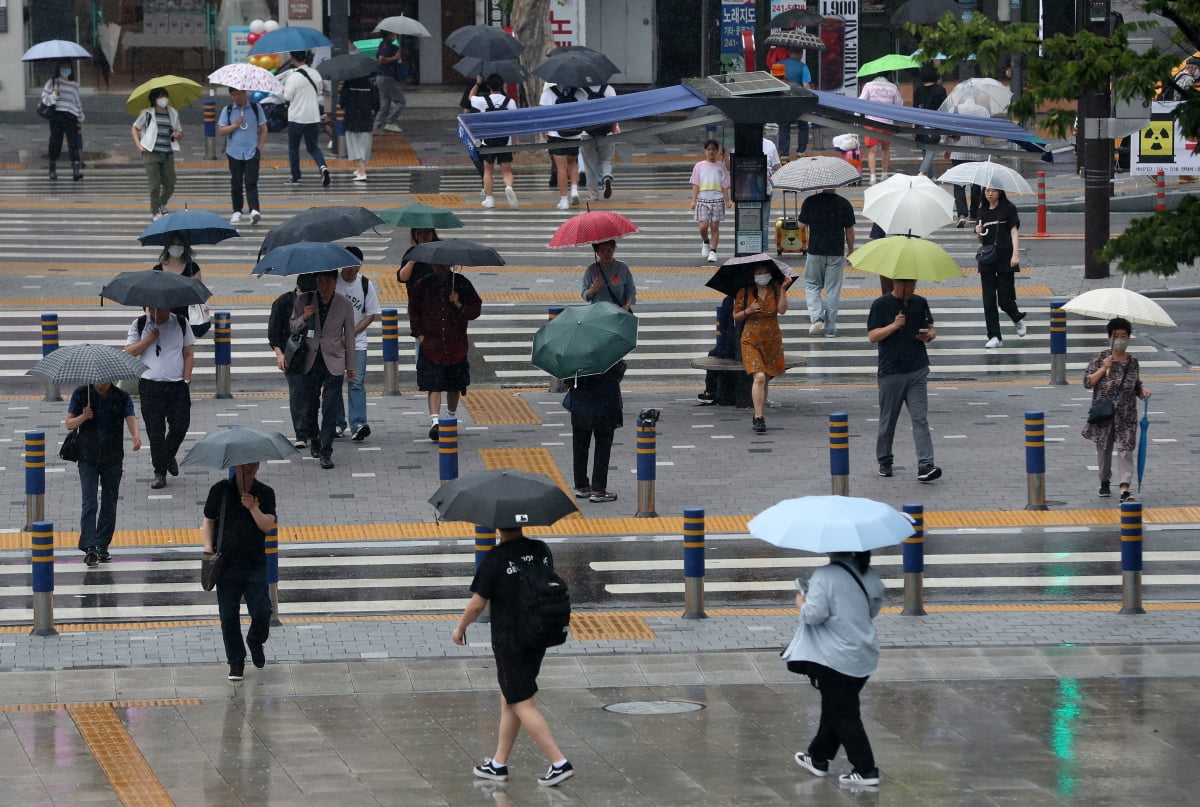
1161 147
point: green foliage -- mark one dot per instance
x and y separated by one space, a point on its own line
1160 243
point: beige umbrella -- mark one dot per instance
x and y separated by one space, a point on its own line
1120 302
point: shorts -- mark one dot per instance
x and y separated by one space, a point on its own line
498 157
869 142
573 151
517 670
433 377
710 211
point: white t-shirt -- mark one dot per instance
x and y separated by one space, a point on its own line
165 363
550 99
353 291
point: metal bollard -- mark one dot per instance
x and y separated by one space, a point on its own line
49 345
1035 460
485 541
693 563
839 453
1041 206
1058 343
447 449
42 558
35 478
1131 558
556 384
1160 204
210 126
339 131
647 456
914 563
272 550
223 353
391 351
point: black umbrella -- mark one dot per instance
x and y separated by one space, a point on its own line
925 12
502 500
738 273
155 289
600 59
454 252
239 446
795 18
484 42
347 66
320 224
576 69
509 69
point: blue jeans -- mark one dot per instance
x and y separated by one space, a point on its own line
785 137
309 132
96 531
235 583
356 395
911 390
824 272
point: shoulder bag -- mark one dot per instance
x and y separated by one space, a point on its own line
986 255
45 110
210 565
69 450
296 351
1104 410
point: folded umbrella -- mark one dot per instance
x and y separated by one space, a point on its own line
150 289
282 40
239 445
815 173
508 69
591 227
905 258
347 66
484 42
327 223
455 252
986 174
181 91
1144 427
584 340
504 499
56 49
305 258
738 273
831 524
194 226
904 204
420 217
87 364
404 26
248 77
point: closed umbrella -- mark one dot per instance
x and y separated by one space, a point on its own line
591 227
282 40
305 257
904 258
1120 302
150 289
584 340
238 446
986 174
908 204
248 77
404 26
815 173
831 524
484 42
326 223
55 49
87 364
1144 427
502 499
347 66
508 69
194 226
454 252
421 217
182 91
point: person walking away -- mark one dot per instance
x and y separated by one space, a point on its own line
493 99
607 279
498 582
566 153
881 91
62 93
178 257
279 330
360 100
388 80
999 226
710 197
1114 375
363 295
594 402
759 309
156 133
837 639
773 165
303 96
327 319
928 95
244 125
829 219
795 71
97 411
241 511
166 345
967 212
900 325
597 148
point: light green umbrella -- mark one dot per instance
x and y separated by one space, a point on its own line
182 92
422 217
368 47
885 64
584 340
901 257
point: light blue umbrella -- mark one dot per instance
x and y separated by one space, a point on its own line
194 226
831 524
1144 425
289 39
305 258
55 49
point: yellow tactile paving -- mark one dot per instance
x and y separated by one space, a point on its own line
499 407
118 756
595 627
442 200
54 707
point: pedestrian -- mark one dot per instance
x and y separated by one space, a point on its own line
773 165
97 412
829 219
360 100
885 283
363 295
497 582
900 325
720 386
439 309
328 320
179 257
492 99
928 95
881 91
1113 375
156 133
301 90
62 94
238 514
837 642
758 308
607 279
244 125
391 73
279 331
1181 82
566 153
999 227
166 345
796 72
594 402
967 211
710 197
597 149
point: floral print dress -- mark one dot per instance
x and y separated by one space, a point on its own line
1123 384
762 341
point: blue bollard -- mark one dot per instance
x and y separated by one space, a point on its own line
49 345
914 563
693 563
1131 558
647 457
839 453
390 319
1058 343
447 449
1035 460
42 557
35 478
210 126
272 550
223 353
485 541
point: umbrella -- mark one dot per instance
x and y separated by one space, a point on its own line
455 252
238 446
368 47
599 58
737 273
245 76
831 524
148 288
796 18
508 69
1120 302
56 49
347 66
502 499
986 174
484 42
328 223
404 26
885 64
420 217
925 12
1144 426
289 39
195 227
182 92
814 174
987 92
584 340
903 258
908 204
795 39
87 364
573 69
591 227
305 258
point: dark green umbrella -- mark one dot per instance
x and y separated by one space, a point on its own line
421 217
584 340
503 499
238 446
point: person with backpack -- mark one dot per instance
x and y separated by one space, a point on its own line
507 579
301 90
61 96
363 295
166 345
493 99
360 101
244 124
597 149
156 133
566 153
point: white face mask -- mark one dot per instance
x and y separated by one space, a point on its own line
175 250
1120 344
161 103
762 280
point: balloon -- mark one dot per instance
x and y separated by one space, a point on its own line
252 37
274 61
271 25
259 60
257 26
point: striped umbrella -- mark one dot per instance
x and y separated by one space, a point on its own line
87 364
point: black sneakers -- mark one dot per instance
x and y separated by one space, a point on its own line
326 178
868 778
1127 496
433 432
91 558
811 765
583 493
929 474
360 433
236 671
556 774
257 655
490 770
760 425
885 470
1104 490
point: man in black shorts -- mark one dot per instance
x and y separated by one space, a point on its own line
517 666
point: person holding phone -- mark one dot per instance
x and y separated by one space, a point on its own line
999 226
609 280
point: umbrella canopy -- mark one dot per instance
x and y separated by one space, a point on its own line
484 42
591 227
986 174
182 91
1120 302
404 26
87 364
288 39
305 258
987 92
1144 431
925 12
831 524
328 223
584 340
248 77
420 217
238 446
504 499
908 204
347 66
195 226
795 39
795 18
885 64
902 258
56 49
455 252
738 273
150 289
814 174
576 68
600 59
508 69
368 47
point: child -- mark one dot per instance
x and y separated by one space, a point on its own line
710 197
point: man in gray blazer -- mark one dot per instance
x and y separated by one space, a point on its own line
327 319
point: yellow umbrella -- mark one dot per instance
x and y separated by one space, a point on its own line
903 258
182 92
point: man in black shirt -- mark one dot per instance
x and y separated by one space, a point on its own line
829 219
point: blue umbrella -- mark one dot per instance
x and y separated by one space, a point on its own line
1145 427
195 226
289 39
305 257
831 524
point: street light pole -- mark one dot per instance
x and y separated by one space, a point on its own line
1095 109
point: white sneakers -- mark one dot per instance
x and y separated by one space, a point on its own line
704 250
511 196
358 177
994 342
236 217
817 327
712 256
563 204
1021 329
255 216
488 202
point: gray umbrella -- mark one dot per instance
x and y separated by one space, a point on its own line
87 364
509 69
455 252
795 39
502 499
346 66
238 446
327 223
155 289
576 68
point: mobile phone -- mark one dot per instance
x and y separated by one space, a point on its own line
922 330
801 585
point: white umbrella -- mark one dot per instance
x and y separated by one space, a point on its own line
831 524
987 92
814 174
404 26
1120 302
986 174
249 77
56 49
904 204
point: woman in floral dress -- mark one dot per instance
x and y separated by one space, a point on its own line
759 308
1113 375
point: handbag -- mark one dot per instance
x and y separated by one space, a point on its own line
1103 411
200 318
211 563
985 256
69 450
294 353
44 111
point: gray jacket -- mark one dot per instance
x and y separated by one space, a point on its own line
334 339
835 623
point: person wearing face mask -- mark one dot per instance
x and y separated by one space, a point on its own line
759 307
178 257
62 93
156 133
1114 375
999 226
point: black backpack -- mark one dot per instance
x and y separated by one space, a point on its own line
593 95
543 607
491 107
258 113
141 323
565 96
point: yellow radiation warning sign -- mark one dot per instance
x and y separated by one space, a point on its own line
1156 143
1161 146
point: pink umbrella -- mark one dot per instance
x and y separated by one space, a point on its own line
249 77
591 227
